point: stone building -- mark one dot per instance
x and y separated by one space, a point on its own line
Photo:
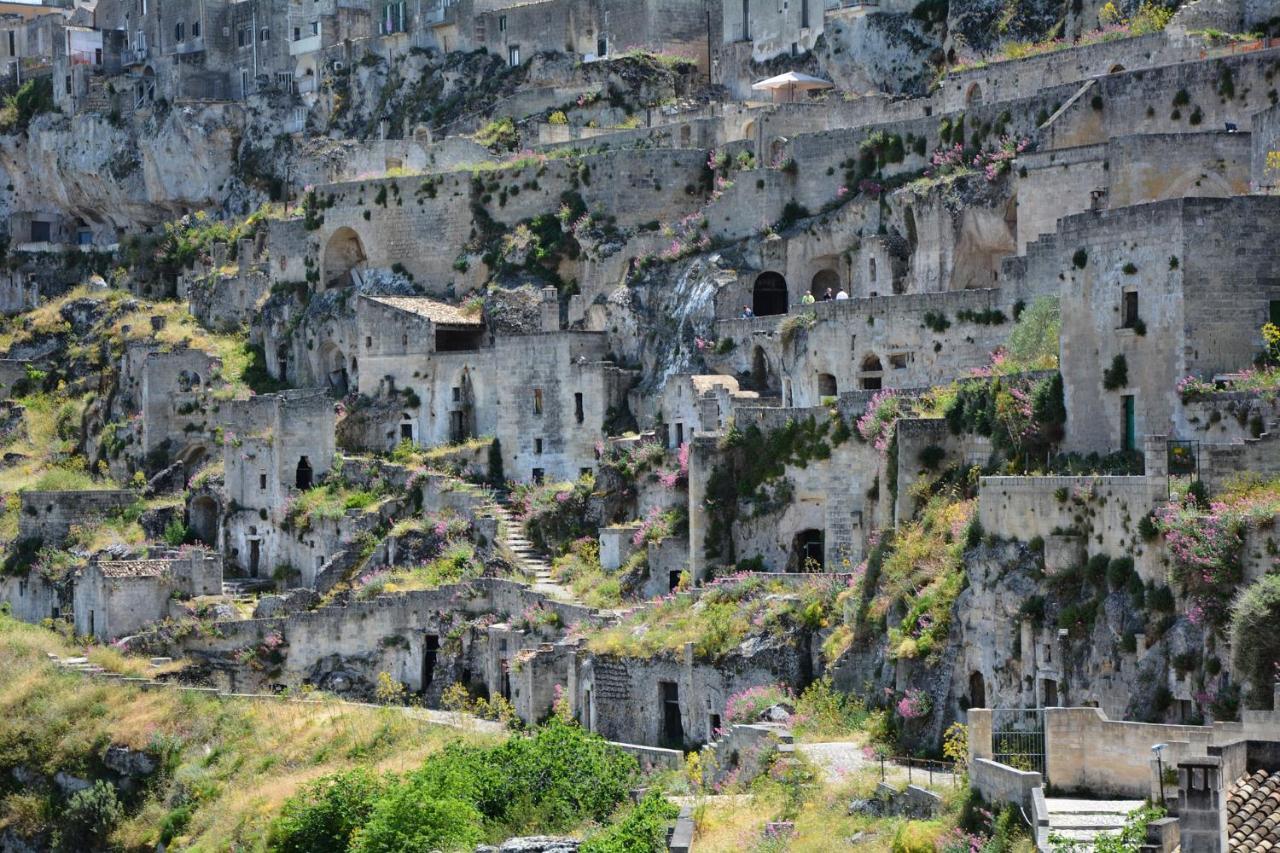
115 598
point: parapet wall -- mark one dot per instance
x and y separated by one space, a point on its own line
50 515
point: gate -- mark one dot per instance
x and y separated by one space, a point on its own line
1184 459
1017 738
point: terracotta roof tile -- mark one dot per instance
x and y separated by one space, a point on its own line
1253 813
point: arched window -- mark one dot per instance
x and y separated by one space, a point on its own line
827 385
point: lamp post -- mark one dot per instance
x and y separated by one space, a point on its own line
1158 751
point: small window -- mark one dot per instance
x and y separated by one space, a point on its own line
457 395
315 28
1273 311
297 33
899 361
264 34
578 414
262 481
502 23
513 56
68 84
368 342
537 446
177 31
537 401
240 37
871 270
539 475
195 29
1130 309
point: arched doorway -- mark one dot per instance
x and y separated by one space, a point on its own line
343 253
871 374
188 380
807 551
203 520
823 281
973 96
977 691
304 474
827 386
769 295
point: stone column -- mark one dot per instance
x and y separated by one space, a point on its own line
701 457
979 733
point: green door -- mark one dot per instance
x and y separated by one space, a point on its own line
1130 440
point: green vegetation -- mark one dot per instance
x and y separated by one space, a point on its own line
33 98
1255 638
719 619
224 767
559 779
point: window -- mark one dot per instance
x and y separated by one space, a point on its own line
67 83
898 361
602 47
297 33
457 395
577 408
368 342
177 31
537 446
264 34
315 28
13 49
679 434
1273 311
144 7
804 14
502 23
242 37
195 29
537 401
513 56
1129 426
392 20
1130 309
539 475
871 270
262 481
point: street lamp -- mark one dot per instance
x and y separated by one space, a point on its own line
1158 750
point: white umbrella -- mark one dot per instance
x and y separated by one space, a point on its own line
790 82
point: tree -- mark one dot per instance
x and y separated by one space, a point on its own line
89 819
325 814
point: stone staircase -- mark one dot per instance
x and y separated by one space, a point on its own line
1082 821
244 589
511 531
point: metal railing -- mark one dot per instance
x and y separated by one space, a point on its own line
925 768
1017 738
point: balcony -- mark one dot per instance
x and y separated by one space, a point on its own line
310 44
192 45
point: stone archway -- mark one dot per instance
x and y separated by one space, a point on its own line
304 475
827 386
977 691
973 95
342 254
763 379
769 295
823 281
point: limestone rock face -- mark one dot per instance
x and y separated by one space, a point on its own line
881 52
86 165
979 25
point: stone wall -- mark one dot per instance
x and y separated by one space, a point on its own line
48 516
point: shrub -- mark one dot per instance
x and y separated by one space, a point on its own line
1096 569
643 830
917 836
1117 375
175 533
405 820
1255 638
327 812
1119 571
89 818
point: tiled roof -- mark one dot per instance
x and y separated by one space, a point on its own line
1253 814
436 312
133 568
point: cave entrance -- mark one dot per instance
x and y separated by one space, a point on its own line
808 552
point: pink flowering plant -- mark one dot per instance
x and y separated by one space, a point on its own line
877 424
915 704
746 706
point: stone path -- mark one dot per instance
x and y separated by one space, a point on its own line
843 760
1082 821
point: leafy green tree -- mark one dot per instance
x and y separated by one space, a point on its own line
88 820
1255 638
325 814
